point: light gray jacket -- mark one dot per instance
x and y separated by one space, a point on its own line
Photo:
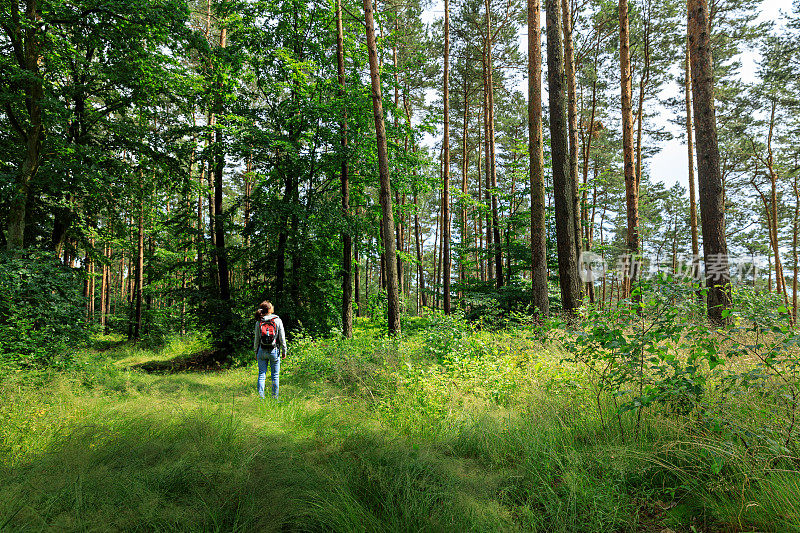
280 334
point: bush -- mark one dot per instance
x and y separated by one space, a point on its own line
41 310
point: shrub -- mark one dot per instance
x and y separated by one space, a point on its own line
41 310
647 350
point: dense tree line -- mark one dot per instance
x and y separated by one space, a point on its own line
189 159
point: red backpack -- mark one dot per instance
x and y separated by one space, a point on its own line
269 333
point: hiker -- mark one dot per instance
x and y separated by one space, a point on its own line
270 345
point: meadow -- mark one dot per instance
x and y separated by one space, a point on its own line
449 428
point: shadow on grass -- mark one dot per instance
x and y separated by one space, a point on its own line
106 343
207 471
203 361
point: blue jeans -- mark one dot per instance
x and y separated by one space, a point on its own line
274 368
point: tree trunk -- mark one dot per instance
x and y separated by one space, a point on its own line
715 249
437 257
347 261
562 188
690 151
366 282
387 222
498 251
446 173
139 281
587 145
540 299
631 189
423 298
357 278
464 191
104 286
643 81
572 118
487 245
219 218
795 222
25 40
780 279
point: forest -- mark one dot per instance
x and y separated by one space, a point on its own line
537 265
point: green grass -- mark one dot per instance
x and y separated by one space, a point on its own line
446 430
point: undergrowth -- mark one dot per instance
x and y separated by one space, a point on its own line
450 428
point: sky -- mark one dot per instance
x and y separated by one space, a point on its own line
669 165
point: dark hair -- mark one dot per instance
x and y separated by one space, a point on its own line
264 308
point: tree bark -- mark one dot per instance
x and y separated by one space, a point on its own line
572 119
357 277
347 261
487 167
464 191
643 81
387 221
540 299
491 161
631 189
25 39
715 249
690 153
795 223
104 286
139 280
219 167
423 297
446 173
559 142
589 138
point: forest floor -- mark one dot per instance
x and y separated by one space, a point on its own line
447 429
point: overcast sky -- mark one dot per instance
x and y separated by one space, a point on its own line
669 165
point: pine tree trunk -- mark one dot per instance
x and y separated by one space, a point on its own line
631 189
423 297
572 118
347 262
357 278
795 223
139 280
780 279
492 159
540 300
200 226
587 145
387 222
437 257
464 191
643 81
219 218
715 249
446 173
559 142
103 287
368 271
690 152
487 165
479 236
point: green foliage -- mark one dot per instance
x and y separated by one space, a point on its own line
41 310
495 307
484 431
648 350
765 340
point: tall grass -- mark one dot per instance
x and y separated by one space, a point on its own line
446 430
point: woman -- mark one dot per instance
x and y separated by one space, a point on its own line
270 345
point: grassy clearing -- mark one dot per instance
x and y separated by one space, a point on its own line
446 430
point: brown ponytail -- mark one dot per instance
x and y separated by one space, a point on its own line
264 308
